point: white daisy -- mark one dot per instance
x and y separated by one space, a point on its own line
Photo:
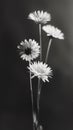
41 70
40 17
53 31
29 50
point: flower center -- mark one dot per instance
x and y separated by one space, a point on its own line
40 70
27 51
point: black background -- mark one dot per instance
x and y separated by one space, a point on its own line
56 104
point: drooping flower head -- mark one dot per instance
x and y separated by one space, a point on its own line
29 50
53 31
40 17
41 70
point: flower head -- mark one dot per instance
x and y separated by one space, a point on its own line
53 31
41 70
29 50
40 17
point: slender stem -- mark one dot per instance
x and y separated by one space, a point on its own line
48 49
39 85
33 113
38 95
40 36
38 100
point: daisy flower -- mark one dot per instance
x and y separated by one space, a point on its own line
29 50
53 31
40 17
41 70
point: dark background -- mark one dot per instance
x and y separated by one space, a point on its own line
56 104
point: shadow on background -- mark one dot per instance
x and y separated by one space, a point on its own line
56 105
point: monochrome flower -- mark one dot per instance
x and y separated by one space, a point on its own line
41 70
53 31
40 17
29 50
